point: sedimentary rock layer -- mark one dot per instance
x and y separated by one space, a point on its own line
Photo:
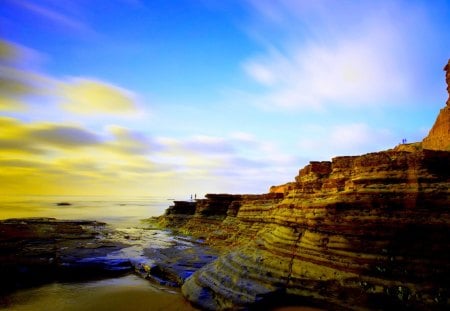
439 136
357 232
361 232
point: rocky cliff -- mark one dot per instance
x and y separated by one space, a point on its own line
357 233
439 136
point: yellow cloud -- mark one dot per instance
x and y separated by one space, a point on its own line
14 84
51 158
7 51
86 97
64 136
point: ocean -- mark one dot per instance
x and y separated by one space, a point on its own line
117 211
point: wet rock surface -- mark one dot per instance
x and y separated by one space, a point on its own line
172 266
35 251
39 250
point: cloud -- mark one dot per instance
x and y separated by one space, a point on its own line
55 158
208 144
21 89
58 18
334 54
87 96
239 162
322 142
130 142
63 136
15 84
14 138
51 158
64 157
41 138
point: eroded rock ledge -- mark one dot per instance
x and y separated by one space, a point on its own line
355 233
360 232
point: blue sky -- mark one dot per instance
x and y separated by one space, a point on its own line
179 97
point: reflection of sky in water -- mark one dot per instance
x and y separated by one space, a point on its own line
125 293
117 211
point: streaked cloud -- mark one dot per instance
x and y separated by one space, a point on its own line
238 160
88 96
358 57
326 141
20 137
48 157
52 14
14 84
63 136
129 141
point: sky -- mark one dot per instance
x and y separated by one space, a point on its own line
140 97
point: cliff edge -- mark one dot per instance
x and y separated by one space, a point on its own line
439 135
354 233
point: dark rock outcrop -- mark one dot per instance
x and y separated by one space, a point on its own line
39 250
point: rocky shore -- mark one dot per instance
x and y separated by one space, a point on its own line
37 251
354 233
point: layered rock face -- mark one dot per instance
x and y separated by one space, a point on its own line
362 232
215 220
355 233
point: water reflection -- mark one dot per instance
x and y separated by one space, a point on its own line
118 211
125 293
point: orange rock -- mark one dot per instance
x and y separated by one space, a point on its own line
439 136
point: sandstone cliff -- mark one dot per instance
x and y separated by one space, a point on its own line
357 232
439 136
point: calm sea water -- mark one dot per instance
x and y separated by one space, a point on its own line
120 294
117 211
